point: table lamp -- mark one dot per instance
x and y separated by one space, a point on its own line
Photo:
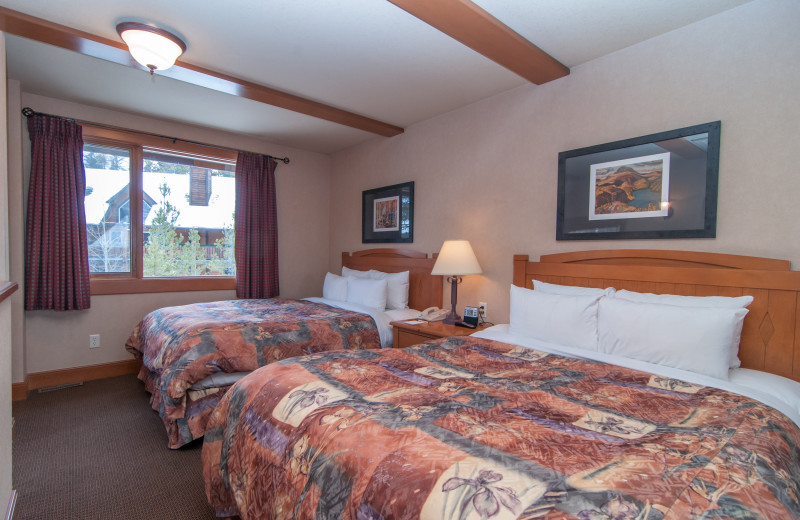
456 259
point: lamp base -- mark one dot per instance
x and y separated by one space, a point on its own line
453 317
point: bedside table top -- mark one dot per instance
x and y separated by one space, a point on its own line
436 328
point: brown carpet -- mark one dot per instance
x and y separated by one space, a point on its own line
99 451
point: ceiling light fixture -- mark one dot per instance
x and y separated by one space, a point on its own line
154 48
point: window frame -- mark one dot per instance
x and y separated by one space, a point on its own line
134 282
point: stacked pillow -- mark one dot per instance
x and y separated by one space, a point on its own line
334 288
700 334
373 288
728 308
699 339
397 283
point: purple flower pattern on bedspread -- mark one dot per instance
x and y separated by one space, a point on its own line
472 429
180 346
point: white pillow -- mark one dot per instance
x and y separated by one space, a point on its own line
722 302
697 339
569 320
334 287
397 297
371 293
346 271
725 302
570 290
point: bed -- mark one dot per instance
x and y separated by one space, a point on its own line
497 425
192 354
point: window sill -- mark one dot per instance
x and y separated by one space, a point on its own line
158 285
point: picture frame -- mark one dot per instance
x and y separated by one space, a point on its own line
387 214
660 185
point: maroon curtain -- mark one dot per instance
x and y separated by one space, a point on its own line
56 255
256 224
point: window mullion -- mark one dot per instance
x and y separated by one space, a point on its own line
137 247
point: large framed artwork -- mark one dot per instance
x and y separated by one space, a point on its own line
387 214
655 186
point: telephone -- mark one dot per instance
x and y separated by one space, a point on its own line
433 314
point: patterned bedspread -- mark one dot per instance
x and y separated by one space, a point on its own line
180 346
466 428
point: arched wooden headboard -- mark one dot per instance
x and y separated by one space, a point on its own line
425 289
771 333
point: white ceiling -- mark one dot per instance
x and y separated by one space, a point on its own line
364 56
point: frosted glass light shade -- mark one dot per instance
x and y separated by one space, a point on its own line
154 48
456 258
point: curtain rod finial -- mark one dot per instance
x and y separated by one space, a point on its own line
28 112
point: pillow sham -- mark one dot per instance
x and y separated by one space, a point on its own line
334 287
697 339
354 273
569 320
570 290
370 293
724 302
397 296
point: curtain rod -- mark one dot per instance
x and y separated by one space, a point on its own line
28 112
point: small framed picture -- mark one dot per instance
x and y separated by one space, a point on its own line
387 214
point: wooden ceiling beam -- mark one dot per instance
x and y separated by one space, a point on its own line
471 25
32 28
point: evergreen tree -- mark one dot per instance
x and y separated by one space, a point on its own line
94 160
225 263
115 162
168 253
192 260
162 253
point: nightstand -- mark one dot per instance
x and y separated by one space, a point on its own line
406 334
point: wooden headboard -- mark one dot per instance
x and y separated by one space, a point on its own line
425 289
771 334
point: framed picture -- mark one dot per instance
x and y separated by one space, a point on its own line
656 186
387 214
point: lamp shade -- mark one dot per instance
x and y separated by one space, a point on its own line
456 258
154 48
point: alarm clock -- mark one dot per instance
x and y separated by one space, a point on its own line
471 316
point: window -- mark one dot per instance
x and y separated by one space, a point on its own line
158 217
190 226
107 225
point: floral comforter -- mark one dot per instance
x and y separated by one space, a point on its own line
180 346
467 428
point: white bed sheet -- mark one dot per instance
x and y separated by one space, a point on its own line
757 385
382 320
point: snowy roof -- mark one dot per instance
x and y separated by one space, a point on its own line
107 183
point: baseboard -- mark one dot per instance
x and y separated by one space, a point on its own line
79 374
12 501
19 391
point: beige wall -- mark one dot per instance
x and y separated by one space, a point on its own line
16 227
488 172
55 340
5 306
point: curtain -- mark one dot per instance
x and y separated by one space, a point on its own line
256 227
56 254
